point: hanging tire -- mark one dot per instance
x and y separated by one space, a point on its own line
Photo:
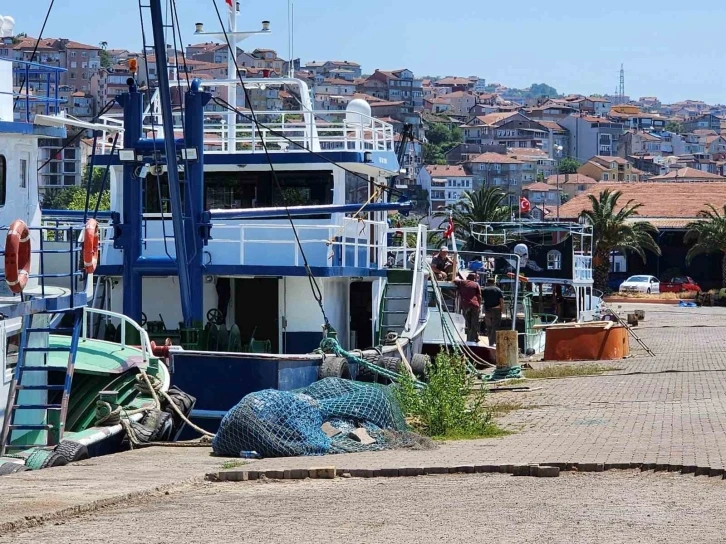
11 468
160 424
419 362
72 451
334 367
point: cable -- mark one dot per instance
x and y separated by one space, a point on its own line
317 293
70 142
35 49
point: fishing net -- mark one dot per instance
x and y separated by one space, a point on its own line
289 423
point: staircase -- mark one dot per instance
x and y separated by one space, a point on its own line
37 405
396 303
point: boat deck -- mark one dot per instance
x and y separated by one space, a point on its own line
97 356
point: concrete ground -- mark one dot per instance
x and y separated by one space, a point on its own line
606 507
663 411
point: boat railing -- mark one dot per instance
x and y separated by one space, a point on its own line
288 131
125 322
39 94
64 258
582 267
347 245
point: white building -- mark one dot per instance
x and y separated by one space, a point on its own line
445 184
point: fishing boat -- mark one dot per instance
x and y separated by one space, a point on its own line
60 387
544 270
248 238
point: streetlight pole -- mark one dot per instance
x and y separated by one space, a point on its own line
558 151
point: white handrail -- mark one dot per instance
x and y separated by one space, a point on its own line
145 342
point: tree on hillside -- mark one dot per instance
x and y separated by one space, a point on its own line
74 198
674 126
709 235
483 206
542 89
612 231
568 165
106 60
441 138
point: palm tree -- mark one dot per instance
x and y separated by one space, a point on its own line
103 45
612 231
482 206
710 236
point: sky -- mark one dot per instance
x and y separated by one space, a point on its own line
671 49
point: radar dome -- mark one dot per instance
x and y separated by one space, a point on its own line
358 112
7 26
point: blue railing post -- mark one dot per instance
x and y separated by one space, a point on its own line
194 102
130 241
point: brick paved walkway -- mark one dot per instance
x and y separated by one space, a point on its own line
664 410
668 410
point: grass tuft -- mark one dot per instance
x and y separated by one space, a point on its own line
233 463
447 409
565 371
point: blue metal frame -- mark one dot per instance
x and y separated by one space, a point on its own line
51 75
301 211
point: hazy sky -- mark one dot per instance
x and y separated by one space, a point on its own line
672 49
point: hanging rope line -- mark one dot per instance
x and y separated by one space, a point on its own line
35 50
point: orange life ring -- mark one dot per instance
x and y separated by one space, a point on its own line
90 246
17 256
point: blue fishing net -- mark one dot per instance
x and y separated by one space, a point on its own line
289 423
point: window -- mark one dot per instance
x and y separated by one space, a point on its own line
605 177
23 173
554 260
3 179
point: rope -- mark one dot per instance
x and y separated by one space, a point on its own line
149 385
331 345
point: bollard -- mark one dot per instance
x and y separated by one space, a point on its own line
633 320
507 356
640 314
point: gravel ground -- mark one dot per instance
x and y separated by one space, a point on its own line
613 507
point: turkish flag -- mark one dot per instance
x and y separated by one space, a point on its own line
449 230
524 205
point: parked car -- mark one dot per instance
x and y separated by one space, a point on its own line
640 284
679 284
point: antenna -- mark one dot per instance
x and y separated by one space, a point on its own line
291 37
621 90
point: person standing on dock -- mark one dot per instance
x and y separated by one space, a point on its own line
470 296
493 305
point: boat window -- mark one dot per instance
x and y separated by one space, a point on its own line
3 179
356 188
554 260
156 194
233 190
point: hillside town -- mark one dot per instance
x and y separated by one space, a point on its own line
467 133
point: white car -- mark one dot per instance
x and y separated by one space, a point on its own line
641 284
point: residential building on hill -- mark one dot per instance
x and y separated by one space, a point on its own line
707 121
688 175
445 184
590 136
571 184
496 170
395 86
610 169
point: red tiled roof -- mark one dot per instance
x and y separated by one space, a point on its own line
572 179
685 174
539 186
453 81
662 200
494 158
492 118
551 125
437 171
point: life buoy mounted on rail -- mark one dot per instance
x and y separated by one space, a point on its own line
17 256
90 246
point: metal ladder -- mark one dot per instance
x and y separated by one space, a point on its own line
54 418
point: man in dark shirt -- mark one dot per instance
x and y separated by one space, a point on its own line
470 297
442 265
493 305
